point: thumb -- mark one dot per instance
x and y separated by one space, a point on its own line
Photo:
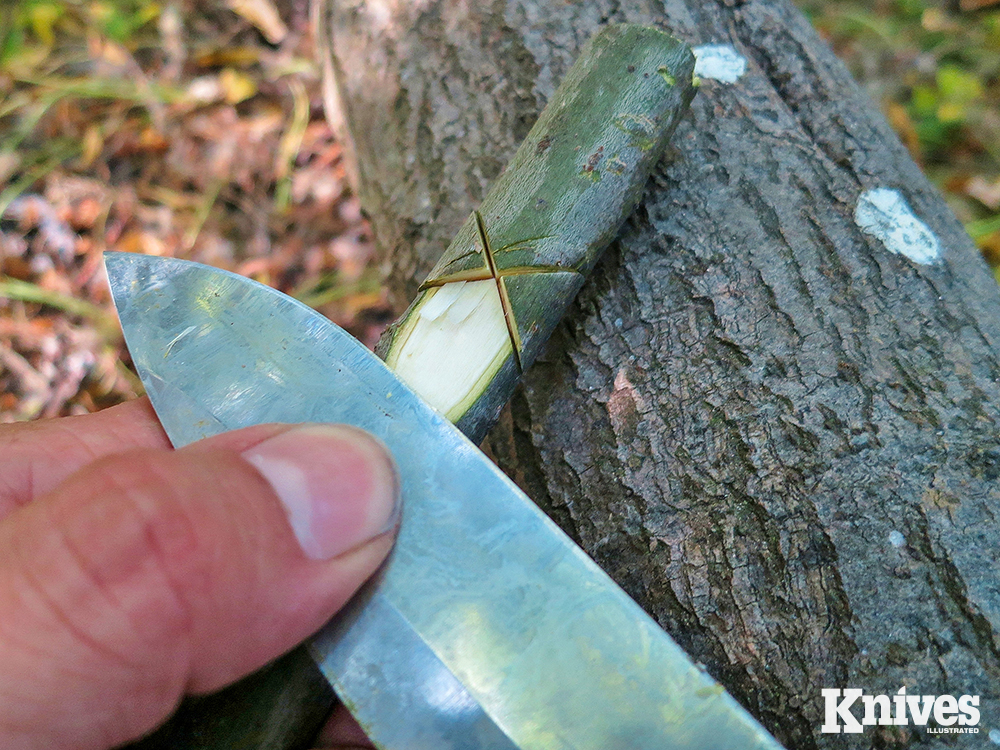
152 573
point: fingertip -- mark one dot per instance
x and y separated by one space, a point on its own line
338 485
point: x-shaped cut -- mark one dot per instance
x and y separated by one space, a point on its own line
497 274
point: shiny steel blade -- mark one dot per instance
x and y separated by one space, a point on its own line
488 627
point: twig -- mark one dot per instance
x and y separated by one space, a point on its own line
201 215
291 143
314 297
31 380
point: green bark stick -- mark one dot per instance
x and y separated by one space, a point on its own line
571 185
545 222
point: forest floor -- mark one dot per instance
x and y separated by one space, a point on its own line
192 129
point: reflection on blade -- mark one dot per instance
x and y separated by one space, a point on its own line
488 628
400 692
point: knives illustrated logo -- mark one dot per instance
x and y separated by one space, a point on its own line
951 715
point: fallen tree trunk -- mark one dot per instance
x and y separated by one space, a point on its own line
772 413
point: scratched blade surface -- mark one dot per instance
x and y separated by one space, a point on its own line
488 627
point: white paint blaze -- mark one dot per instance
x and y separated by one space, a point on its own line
720 62
884 214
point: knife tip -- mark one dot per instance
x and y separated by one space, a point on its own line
122 269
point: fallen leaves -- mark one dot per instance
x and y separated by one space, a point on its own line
185 130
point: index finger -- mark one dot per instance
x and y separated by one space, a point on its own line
35 457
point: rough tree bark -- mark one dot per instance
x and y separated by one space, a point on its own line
779 437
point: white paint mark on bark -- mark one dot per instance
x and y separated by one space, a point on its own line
885 215
995 736
720 62
896 539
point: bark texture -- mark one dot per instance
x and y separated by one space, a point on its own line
778 436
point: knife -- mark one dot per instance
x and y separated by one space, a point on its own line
487 628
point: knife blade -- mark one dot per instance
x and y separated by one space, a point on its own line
487 627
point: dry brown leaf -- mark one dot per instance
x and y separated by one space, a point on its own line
901 122
971 5
263 15
9 163
987 193
236 86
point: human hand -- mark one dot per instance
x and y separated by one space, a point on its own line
132 574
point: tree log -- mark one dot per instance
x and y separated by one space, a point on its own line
775 429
